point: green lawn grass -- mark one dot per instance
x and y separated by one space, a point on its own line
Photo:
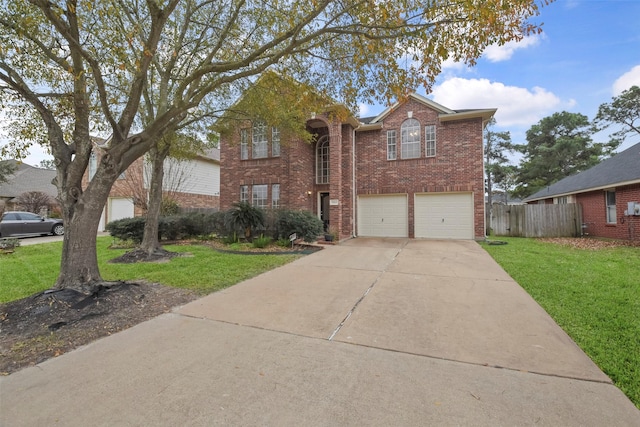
32 269
594 295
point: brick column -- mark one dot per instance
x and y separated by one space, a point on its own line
335 176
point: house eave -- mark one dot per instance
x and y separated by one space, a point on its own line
485 115
364 127
585 190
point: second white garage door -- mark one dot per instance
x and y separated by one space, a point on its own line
383 216
444 216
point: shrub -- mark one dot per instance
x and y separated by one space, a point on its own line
305 224
9 243
285 243
171 227
215 223
169 207
262 242
127 229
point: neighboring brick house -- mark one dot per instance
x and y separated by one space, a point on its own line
609 194
191 183
416 170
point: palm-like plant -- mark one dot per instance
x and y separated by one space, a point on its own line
244 216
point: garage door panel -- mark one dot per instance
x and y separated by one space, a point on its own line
444 216
383 216
120 208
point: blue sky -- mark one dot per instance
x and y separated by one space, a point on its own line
589 52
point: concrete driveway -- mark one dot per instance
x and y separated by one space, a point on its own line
371 332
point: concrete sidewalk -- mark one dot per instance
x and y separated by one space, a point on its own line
370 332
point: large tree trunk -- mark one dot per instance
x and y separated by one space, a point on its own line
150 241
79 261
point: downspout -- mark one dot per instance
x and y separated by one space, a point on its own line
353 183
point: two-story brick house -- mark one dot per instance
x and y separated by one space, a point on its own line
415 170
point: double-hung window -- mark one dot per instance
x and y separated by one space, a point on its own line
392 145
259 139
430 140
610 199
410 139
244 144
275 196
259 196
244 193
275 142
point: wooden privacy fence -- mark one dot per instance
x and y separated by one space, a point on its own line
537 220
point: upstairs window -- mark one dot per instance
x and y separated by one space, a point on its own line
410 143
322 160
244 144
610 200
430 140
259 140
275 142
392 144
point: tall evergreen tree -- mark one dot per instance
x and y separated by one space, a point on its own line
557 146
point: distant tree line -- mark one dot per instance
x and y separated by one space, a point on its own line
558 146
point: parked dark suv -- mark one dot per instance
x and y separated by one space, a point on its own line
29 224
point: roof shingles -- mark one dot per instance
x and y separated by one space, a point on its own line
624 167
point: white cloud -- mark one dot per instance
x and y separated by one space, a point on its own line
451 65
496 53
364 110
517 106
625 81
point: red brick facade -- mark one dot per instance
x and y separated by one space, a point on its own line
456 167
594 213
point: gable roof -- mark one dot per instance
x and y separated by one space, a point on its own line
29 178
621 169
444 114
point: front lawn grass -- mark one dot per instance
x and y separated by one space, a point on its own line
594 295
35 268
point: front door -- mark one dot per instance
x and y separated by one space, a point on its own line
324 210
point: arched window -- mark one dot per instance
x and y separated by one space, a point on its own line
322 160
410 139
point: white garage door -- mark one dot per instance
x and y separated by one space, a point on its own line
120 208
383 216
444 216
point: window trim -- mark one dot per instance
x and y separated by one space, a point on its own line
244 144
275 141
275 196
392 142
244 194
258 190
259 141
322 160
430 143
610 208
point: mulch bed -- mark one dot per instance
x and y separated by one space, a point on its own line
590 243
